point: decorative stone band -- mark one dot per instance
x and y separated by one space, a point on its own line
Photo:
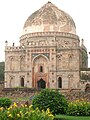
48 34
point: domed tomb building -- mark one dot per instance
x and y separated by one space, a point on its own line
49 55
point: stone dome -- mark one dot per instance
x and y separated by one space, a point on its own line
49 19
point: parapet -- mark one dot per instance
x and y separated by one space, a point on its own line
13 48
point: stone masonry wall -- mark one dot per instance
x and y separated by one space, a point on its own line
28 93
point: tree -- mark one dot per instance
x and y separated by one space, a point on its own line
2 67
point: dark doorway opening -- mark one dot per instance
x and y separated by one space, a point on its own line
87 89
59 82
22 82
41 83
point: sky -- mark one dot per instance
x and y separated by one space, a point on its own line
14 13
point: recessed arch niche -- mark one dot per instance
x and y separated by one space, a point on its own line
40 71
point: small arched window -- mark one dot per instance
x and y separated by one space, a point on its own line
59 82
22 82
41 69
87 89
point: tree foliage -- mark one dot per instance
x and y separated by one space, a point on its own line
2 67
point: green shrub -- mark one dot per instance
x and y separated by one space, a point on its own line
79 108
5 102
51 99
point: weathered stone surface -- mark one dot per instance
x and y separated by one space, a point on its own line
49 55
49 18
22 96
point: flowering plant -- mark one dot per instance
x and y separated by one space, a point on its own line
24 113
79 108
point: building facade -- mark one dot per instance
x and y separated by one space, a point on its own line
49 55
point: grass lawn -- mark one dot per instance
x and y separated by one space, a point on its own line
65 117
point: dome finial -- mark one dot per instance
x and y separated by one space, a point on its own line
49 2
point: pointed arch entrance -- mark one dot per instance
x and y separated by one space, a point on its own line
41 84
40 71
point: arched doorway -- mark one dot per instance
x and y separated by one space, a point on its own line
22 82
41 84
87 89
40 71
